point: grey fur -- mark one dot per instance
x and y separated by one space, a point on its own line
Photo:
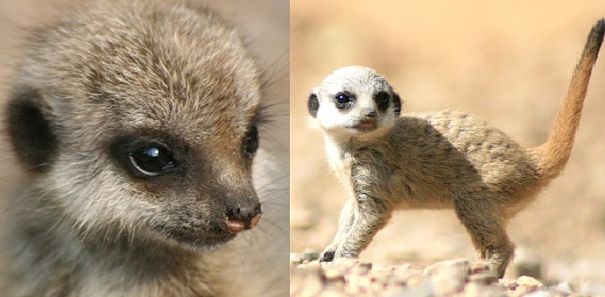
82 226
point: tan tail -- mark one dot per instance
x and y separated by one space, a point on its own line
553 155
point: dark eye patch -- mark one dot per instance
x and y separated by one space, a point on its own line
397 104
145 157
313 105
344 100
382 100
32 135
251 141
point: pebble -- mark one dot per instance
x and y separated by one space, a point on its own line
296 258
459 277
310 255
448 277
564 288
527 284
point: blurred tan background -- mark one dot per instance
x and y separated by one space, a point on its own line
509 62
264 26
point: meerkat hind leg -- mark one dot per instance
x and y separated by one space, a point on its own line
360 220
487 232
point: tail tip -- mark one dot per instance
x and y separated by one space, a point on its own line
595 39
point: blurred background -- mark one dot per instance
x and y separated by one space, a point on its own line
509 62
264 25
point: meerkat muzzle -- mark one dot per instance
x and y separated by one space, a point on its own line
235 226
366 124
242 217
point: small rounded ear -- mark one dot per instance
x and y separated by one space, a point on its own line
313 105
29 129
397 103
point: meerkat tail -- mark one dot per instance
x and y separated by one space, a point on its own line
553 155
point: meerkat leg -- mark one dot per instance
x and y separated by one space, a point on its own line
347 216
360 219
487 233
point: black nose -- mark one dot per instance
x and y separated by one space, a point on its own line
242 217
371 115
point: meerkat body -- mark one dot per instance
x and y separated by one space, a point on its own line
434 160
136 123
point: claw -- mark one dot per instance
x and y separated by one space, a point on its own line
327 256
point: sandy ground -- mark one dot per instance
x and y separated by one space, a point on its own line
264 25
509 63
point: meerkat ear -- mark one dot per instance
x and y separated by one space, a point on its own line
29 129
397 103
313 105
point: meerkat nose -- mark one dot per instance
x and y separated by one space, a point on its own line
241 218
370 115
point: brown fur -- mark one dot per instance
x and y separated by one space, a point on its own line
114 72
435 160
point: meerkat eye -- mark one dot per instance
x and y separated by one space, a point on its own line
382 100
150 160
251 141
343 100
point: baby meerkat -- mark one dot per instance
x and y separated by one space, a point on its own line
435 160
136 122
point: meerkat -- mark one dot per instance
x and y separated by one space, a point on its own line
433 160
136 122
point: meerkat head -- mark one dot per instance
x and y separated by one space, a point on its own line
141 119
354 100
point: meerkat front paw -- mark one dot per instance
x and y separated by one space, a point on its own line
328 254
333 252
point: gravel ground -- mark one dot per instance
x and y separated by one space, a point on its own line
460 277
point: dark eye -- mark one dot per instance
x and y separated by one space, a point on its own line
251 141
343 100
152 159
382 101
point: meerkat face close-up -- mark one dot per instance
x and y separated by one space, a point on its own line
141 128
354 100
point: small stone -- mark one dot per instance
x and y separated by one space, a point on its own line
403 273
334 273
509 284
365 265
422 289
296 258
564 288
305 285
342 262
361 268
481 290
310 255
415 279
527 284
448 277
529 281
309 265
460 264
332 293
538 293
478 266
484 277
